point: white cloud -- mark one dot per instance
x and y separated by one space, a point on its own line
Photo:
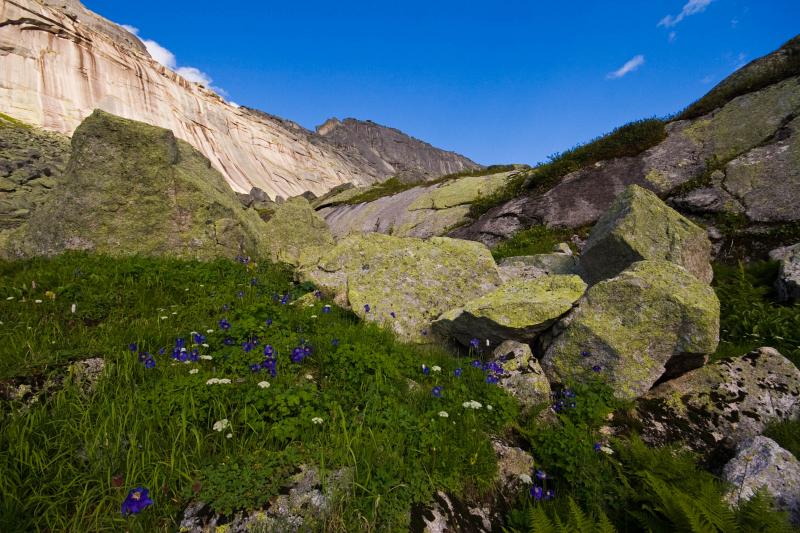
168 59
629 66
672 36
692 7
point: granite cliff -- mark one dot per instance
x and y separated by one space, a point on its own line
59 62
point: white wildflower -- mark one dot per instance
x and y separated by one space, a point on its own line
73 308
316 420
224 381
309 377
472 404
313 316
436 368
212 381
489 407
526 479
37 301
209 331
10 298
606 450
192 333
443 414
221 425
263 384
194 371
204 345
174 312
229 435
164 317
206 357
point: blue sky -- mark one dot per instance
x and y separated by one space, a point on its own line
500 81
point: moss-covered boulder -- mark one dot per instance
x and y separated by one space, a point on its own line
518 310
639 226
723 403
522 375
134 188
403 282
652 322
296 234
537 265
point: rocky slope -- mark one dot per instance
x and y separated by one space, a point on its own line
392 151
59 62
734 154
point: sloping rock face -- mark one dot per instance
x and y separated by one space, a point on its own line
639 226
760 463
31 164
751 139
393 152
652 322
133 188
732 399
59 62
423 212
296 234
518 310
404 283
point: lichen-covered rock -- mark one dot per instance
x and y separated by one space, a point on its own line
651 322
522 376
460 191
760 463
133 188
405 282
449 514
733 398
514 468
296 234
639 226
788 283
537 265
301 506
518 310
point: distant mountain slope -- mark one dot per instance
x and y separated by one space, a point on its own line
392 151
59 62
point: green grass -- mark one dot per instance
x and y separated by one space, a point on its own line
535 240
749 315
394 185
64 455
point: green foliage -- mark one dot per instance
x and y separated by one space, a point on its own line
748 79
536 240
749 315
787 434
577 521
395 185
65 444
7 121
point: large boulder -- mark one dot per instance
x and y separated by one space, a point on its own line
296 234
522 375
134 188
403 281
722 404
518 310
788 283
639 226
760 463
652 322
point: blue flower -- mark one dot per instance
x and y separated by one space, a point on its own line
285 299
477 364
228 341
194 355
326 308
253 282
318 294
132 346
161 351
366 308
393 314
597 446
199 339
240 294
149 363
537 493
298 354
491 380
248 346
549 494
269 322
225 307
597 368
475 343
457 372
269 350
224 324
335 342
136 501
180 343
437 392
585 353
426 370
255 367
541 474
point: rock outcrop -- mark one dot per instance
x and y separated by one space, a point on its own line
522 375
534 266
788 282
730 400
296 234
651 322
761 464
639 226
750 136
518 310
134 188
59 62
404 283
393 152
424 211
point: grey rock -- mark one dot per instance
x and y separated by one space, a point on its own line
532 266
449 514
707 200
788 282
730 400
522 376
760 463
639 226
393 152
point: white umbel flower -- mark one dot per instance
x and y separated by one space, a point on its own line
472 404
221 425
316 420
443 414
263 384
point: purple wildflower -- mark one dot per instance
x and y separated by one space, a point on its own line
136 501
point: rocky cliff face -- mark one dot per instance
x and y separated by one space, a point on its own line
392 151
59 62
